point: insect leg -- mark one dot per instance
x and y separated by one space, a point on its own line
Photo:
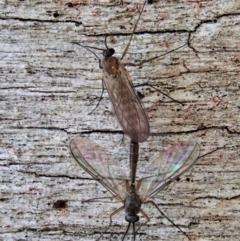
176 101
134 29
138 185
206 154
147 84
127 186
99 99
145 216
156 206
115 212
93 199
156 57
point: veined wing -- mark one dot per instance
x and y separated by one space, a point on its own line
126 104
174 162
93 159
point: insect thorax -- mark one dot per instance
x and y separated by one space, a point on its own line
132 204
111 65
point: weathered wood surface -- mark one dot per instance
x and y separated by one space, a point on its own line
48 86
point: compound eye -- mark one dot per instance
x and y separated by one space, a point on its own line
108 52
132 219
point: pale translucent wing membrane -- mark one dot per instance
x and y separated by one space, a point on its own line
126 104
173 163
93 159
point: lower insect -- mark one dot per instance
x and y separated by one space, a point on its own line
134 194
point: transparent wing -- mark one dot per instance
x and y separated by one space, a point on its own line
93 159
126 104
174 162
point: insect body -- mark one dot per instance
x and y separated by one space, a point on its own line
159 174
126 104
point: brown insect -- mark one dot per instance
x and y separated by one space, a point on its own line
126 103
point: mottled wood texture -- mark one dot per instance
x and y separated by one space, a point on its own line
48 87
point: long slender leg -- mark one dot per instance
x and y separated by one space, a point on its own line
134 29
115 212
100 66
93 199
176 101
156 206
218 148
122 138
145 216
151 59
127 185
138 185
156 57
99 99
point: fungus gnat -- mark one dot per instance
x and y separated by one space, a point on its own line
126 103
131 193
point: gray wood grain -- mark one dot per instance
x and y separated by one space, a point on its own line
49 86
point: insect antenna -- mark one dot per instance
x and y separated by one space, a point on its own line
108 51
134 232
89 49
106 42
126 231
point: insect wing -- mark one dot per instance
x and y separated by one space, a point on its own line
93 159
126 104
174 162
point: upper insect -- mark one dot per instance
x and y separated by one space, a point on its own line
126 103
